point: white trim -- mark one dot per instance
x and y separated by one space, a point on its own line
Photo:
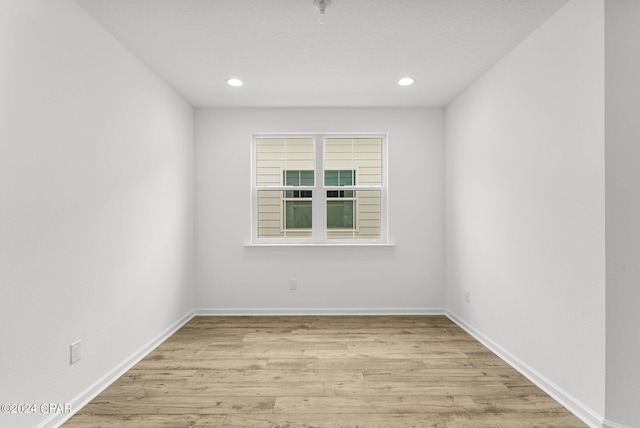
319 204
579 409
82 399
307 243
316 311
609 424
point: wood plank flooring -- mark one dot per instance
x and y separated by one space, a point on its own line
338 371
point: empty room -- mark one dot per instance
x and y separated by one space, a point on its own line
314 213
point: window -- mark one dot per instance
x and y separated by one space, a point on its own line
291 204
296 209
340 208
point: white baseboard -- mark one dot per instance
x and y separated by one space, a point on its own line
317 311
101 384
609 424
576 407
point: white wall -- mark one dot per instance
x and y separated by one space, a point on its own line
96 203
623 210
233 278
525 206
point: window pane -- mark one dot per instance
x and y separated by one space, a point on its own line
331 178
367 161
306 178
297 178
269 214
282 217
344 177
298 193
366 212
291 178
339 193
275 155
297 214
363 156
340 214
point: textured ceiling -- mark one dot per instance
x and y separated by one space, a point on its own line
286 58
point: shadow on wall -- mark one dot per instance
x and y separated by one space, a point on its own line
318 253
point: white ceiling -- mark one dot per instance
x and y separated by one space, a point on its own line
286 58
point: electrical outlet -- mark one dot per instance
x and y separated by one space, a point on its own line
293 284
467 296
76 351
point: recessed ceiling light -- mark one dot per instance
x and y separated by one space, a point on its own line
406 81
234 82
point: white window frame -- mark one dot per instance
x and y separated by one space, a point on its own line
319 191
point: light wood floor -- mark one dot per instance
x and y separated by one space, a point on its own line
370 371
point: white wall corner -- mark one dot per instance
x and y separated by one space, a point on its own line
82 399
579 409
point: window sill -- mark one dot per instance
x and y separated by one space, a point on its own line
317 244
